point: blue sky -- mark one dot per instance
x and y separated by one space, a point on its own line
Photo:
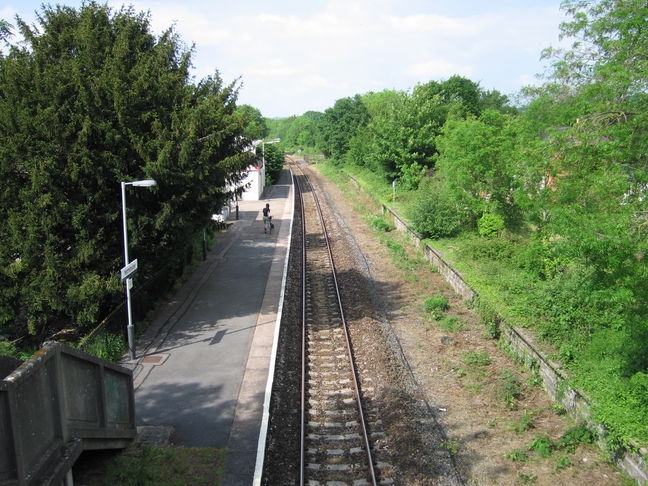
295 56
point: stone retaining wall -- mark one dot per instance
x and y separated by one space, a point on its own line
520 342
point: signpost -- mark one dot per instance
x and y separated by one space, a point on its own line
129 270
130 267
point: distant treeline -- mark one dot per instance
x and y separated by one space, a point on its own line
550 198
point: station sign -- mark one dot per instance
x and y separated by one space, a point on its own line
129 270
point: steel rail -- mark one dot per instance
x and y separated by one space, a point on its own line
303 357
363 423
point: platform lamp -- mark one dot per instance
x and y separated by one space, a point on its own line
130 267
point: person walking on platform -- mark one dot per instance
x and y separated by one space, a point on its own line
267 224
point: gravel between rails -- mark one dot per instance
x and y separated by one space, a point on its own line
413 443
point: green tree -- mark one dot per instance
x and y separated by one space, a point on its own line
593 119
297 132
303 132
458 89
92 99
5 30
274 158
478 159
278 127
340 123
256 127
609 48
494 100
378 145
602 150
411 132
399 140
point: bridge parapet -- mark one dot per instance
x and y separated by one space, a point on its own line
56 404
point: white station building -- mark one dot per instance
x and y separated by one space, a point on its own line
253 183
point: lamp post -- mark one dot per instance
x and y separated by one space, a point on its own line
130 267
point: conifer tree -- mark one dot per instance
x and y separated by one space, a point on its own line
90 99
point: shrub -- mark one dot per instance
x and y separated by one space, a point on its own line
639 386
411 175
477 358
107 346
435 214
575 304
490 225
574 437
436 303
542 445
380 224
541 257
491 249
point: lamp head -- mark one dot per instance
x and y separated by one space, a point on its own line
144 183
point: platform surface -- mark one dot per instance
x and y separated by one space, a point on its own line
202 366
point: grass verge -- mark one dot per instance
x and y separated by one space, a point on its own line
151 466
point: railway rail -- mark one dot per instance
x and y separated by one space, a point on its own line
336 445
345 408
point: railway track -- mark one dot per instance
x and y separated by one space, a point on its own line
336 441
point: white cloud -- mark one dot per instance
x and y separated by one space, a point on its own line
431 24
273 68
528 80
194 25
294 56
438 68
314 81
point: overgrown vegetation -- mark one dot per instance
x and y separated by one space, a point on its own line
88 99
107 346
436 305
149 466
543 446
524 422
545 209
380 224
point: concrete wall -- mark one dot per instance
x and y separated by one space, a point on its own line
56 404
520 342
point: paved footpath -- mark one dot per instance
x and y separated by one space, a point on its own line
203 364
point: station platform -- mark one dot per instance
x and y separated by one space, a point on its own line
202 367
